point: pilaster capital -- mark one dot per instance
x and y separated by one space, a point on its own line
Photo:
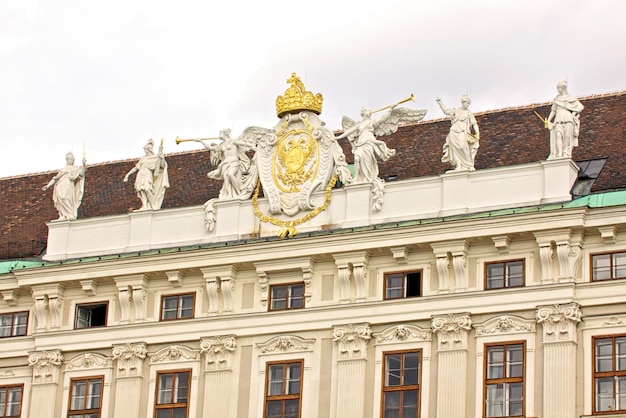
452 330
559 322
218 351
45 365
352 340
130 359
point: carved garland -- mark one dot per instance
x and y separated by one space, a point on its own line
288 227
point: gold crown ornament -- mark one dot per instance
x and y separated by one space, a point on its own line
296 99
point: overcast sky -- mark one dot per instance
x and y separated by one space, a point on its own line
108 75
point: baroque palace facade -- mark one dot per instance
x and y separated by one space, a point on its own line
494 292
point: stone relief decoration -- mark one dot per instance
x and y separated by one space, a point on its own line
47 306
352 340
367 149
613 322
130 359
7 373
89 361
461 144
152 179
402 333
69 188
173 353
46 365
452 330
505 325
285 343
218 351
559 322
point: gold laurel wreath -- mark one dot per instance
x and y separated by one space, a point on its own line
288 227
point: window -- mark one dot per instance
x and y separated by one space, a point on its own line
609 374
504 274
91 315
11 400
85 397
283 389
401 387
177 306
287 296
13 324
172 399
504 383
403 285
608 266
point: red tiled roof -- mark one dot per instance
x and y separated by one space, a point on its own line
508 136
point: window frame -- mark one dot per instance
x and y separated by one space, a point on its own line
288 297
613 373
402 388
172 405
283 397
405 274
505 380
6 403
179 305
505 278
80 306
13 323
611 254
76 412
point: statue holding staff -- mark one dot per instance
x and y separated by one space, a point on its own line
69 187
563 123
152 179
461 145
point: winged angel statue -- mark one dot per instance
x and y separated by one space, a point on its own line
367 149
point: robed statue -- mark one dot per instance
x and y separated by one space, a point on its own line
69 187
152 179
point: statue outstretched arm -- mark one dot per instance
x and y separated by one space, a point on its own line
130 172
443 108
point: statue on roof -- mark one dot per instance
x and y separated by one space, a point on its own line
563 123
367 149
152 179
69 187
461 144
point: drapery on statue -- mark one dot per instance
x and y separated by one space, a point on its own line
69 186
563 123
151 180
367 149
461 145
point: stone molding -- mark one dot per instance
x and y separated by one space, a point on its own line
285 343
172 354
89 361
402 333
504 324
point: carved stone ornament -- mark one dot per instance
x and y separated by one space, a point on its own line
285 343
505 325
452 330
173 353
7 373
559 322
352 340
402 333
218 351
129 359
45 365
89 361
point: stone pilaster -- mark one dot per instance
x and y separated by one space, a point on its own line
217 352
46 366
352 265
351 342
452 334
48 306
132 288
220 282
559 324
129 359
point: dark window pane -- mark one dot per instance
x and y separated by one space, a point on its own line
413 284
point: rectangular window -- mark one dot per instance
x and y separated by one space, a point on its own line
11 400
91 315
172 397
609 374
504 274
504 380
283 390
287 296
403 285
85 397
608 266
401 384
177 306
13 324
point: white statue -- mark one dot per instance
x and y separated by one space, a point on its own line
367 149
563 123
461 145
151 180
69 186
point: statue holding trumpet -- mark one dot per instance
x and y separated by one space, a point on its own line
367 149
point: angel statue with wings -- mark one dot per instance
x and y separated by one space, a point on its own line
367 149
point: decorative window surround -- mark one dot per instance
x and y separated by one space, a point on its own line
284 271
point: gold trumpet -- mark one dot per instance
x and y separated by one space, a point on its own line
179 140
408 99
